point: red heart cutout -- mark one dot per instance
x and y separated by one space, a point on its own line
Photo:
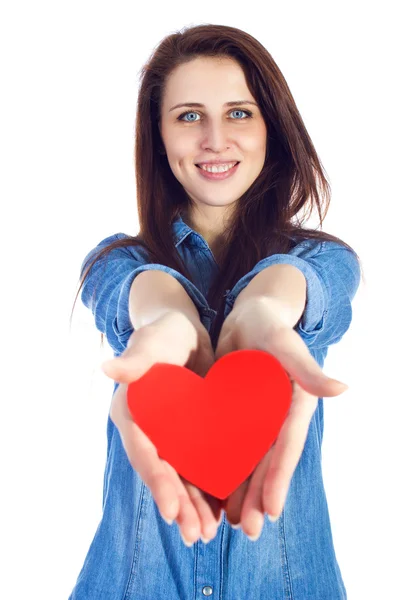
213 430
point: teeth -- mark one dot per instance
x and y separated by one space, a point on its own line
217 168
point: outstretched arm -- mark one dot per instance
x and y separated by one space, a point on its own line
284 285
263 317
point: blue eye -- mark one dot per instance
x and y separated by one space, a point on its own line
248 114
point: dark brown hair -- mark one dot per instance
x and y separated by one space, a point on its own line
267 219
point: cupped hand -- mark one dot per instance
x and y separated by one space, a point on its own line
172 339
257 325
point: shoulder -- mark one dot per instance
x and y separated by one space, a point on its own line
312 247
331 261
133 249
325 251
125 253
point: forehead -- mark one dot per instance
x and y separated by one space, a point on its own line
204 77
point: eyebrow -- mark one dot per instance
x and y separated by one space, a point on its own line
198 105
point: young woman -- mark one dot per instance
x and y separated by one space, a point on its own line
224 167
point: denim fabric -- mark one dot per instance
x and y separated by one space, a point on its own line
134 554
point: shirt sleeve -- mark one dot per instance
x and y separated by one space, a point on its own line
332 275
106 290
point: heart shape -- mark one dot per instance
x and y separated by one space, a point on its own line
213 430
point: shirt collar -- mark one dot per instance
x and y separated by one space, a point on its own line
180 230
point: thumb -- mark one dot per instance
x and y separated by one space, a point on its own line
125 369
322 386
295 357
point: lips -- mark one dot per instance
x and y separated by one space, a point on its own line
218 164
218 175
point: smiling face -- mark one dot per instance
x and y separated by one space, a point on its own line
213 132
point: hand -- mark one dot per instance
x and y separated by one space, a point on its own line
196 512
256 325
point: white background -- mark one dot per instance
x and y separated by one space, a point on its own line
69 77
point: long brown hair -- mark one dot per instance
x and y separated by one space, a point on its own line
267 216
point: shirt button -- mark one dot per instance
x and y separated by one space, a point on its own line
207 590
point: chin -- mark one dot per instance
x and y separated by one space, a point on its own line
218 203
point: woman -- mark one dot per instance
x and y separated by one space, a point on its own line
222 263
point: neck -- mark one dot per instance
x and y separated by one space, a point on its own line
212 229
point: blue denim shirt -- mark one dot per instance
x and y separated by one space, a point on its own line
134 554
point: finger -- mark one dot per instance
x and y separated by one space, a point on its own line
188 519
293 354
207 509
252 515
143 456
287 451
217 508
126 369
147 463
233 505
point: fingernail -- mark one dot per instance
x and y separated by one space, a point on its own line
204 540
256 522
254 538
236 526
272 518
186 542
344 385
168 521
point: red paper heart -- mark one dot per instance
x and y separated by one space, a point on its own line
213 430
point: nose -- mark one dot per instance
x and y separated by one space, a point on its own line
216 136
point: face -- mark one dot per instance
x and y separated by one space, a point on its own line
213 132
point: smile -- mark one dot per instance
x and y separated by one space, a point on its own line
214 172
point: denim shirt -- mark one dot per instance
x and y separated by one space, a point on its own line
134 554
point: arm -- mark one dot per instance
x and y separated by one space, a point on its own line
332 275
285 288
265 305
153 294
107 292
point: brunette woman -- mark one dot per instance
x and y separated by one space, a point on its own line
226 175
